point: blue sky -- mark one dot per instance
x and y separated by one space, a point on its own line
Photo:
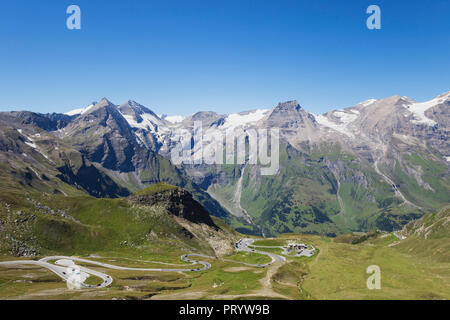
178 57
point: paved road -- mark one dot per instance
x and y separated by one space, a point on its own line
64 266
243 245
62 271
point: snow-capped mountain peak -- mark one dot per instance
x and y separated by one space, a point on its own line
80 111
367 102
140 117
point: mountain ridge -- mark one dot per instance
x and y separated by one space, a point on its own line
373 165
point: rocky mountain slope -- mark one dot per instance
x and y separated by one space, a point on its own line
375 165
175 200
96 152
160 215
433 225
428 237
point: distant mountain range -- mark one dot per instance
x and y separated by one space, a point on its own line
375 165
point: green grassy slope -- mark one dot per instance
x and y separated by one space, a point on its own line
338 271
47 224
429 236
303 197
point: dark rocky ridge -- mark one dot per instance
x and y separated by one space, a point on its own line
178 202
48 122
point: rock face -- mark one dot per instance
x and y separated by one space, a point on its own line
178 202
104 136
290 115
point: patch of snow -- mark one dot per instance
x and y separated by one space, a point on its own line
31 144
447 158
345 117
418 110
45 156
35 172
367 102
342 128
149 122
139 137
238 119
35 147
74 112
174 119
133 123
79 111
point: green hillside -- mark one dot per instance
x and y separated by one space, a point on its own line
42 224
429 236
327 190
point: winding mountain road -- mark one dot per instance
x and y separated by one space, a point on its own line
64 267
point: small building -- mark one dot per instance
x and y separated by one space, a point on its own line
297 246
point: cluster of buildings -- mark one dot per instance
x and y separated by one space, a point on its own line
298 249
